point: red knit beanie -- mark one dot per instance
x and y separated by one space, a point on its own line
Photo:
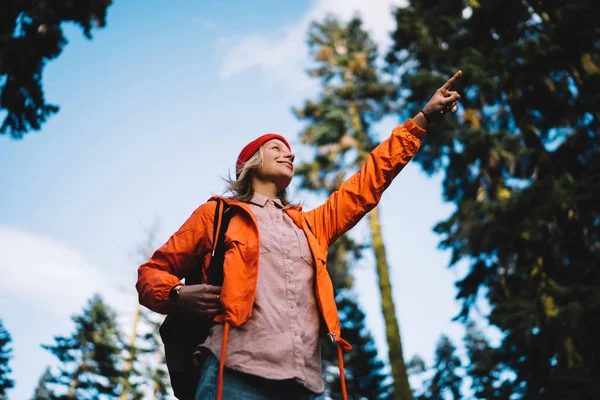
252 147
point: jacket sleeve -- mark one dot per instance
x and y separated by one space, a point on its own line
175 259
360 193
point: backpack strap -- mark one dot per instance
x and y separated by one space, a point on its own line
214 273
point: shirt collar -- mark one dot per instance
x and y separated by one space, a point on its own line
261 201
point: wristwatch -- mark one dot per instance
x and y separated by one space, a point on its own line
174 295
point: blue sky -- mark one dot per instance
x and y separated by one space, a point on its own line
154 111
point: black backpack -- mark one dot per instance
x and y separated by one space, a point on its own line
182 331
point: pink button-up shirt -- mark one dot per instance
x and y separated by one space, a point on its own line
281 340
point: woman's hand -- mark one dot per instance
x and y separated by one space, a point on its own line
201 299
442 102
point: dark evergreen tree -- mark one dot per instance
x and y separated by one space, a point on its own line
42 390
446 381
485 368
522 165
31 34
353 97
91 357
5 355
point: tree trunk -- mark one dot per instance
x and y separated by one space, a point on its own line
128 367
157 390
401 386
75 382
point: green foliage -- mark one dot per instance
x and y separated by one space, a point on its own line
485 367
31 34
486 373
42 391
446 380
90 358
5 356
521 162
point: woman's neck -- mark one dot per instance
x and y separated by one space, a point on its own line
266 188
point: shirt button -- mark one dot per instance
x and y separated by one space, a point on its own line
289 280
292 306
287 256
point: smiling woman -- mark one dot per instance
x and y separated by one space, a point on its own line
276 297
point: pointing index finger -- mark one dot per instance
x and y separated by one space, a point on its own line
451 81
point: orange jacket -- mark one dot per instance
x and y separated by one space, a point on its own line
323 225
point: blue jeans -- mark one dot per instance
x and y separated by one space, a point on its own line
240 386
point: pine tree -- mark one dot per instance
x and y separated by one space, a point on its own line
42 391
91 357
446 381
352 98
31 34
484 368
522 165
5 356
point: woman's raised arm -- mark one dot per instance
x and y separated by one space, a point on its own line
363 190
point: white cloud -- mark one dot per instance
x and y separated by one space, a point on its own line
284 57
46 275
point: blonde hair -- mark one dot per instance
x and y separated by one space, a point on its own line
241 189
